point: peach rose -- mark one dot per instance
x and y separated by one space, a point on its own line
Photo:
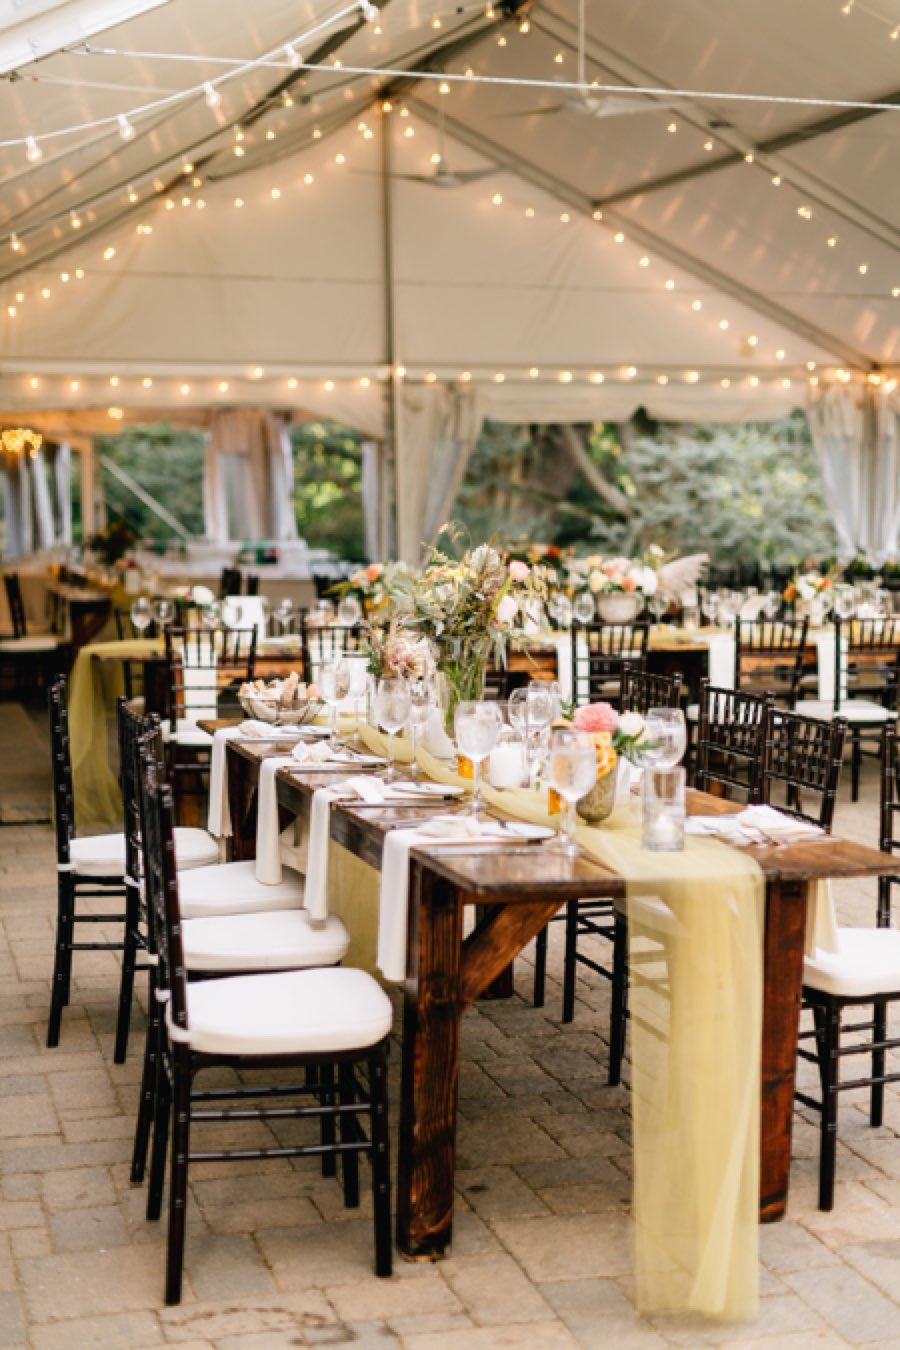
594 717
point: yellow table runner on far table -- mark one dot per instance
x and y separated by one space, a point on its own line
695 958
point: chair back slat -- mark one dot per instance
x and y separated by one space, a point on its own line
205 667
133 728
770 653
63 795
804 757
642 691
731 742
867 660
323 643
600 653
889 832
161 882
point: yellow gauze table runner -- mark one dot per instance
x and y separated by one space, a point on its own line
93 689
695 923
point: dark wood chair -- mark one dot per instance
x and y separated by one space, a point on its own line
600 654
323 643
33 658
594 918
769 656
133 671
333 1024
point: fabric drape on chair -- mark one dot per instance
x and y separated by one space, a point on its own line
857 439
254 444
437 431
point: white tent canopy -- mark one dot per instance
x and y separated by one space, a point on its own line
730 267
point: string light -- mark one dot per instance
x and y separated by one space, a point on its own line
15 243
126 130
629 372
75 220
465 376
211 94
499 377
662 379
597 377
147 382
223 386
185 389
696 306
691 376
33 152
565 377
533 373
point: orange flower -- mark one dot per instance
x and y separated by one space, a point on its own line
606 755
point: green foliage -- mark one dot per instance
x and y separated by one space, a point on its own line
328 487
739 491
167 462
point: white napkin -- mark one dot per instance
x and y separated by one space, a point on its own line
319 755
219 819
721 660
268 854
316 888
393 904
754 825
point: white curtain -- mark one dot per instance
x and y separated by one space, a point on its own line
44 526
857 439
437 430
61 470
251 445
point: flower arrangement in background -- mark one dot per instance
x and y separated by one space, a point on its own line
810 584
618 576
17 440
373 587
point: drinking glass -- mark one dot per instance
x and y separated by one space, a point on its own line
844 601
560 609
662 828
477 726
729 607
349 611
211 615
572 770
163 612
334 686
772 605
517 710
710 605
666 734
392 713
422 699
281 618
141 614
585 607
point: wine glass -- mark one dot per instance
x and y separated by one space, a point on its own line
585 607
729 607
141 613
477 726
572 771
211 615
334 685
710 606
392 706
559 608
844 601
771 605
422 699
349 611
282 616
163 612
665 733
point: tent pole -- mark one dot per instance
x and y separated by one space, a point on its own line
388 477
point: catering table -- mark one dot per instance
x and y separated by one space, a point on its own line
516 893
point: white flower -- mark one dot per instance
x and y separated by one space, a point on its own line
507 610
648 581
202 595
631 725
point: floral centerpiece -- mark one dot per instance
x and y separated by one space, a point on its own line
470 609
548 562
809 585
373 586
620 584
614 734
394 650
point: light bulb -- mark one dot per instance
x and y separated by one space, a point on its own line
597 377
34 382
79 273
662 379
11 311
74 385
696 306
185 389
529 212
369 12
364 381
317 134
286 100
499 377
45 292
308 179
187 168
672 128
524 26
65 277
559 58
239 152
75 220
126 130
340 159
147 382
670 284
329 386
465 376
644 262
831 241
238 203
779 355
776 180
223 386
293 382
565 377
430 377
211 94
293 56
534 372
435 22
15 243
753 381
114 381
443 87
629 372
115 413
804 212
752 340
863 269
275 194
565 218
707 145
726 383
749 157
109 253
691 376
723 324
132 195
497 199
619 237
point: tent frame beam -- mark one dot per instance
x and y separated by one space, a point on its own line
710 276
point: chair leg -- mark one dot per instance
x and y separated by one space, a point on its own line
381 1164
618 1008
63 955
828 1147
876 1104
855 764
126 983
349 1131
161 1116
540 967
326 1098
569 966
181 1139
147 1100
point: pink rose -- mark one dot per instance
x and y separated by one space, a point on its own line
629 584
595 717
518 570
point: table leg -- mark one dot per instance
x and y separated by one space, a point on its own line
504 985
431 1013
242 789
782 991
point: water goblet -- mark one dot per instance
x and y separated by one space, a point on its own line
349 611
477 726
710 606
392 713
334 686
163 612
141 614
844 601
211 615
572 771
585 607
665 734
422 699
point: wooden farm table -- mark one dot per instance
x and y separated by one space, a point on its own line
516 893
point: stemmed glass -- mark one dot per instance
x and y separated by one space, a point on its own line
585 607
281 618
211 615
710 605
334 686
163 612
422 699
141 613
349 611
665 733
559 608
572 769
477 726
844 601
392 706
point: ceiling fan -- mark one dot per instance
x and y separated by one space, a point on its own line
588 104
442 176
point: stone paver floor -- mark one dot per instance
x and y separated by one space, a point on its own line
541 1251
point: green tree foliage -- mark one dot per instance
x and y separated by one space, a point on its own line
167 462
328 487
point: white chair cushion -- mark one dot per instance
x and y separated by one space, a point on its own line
298 1012
692 713
866 963
283 939
859 710
25 646
232 888
103 855
192 738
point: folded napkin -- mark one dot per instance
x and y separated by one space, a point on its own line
373 790
754 825
268 853
320 755
393 905
219 820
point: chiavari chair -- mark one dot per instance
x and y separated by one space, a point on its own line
769 656
866 685
332 1023
600 653
32 657
133 671
327 642
594 918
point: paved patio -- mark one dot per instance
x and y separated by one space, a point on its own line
541 1251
